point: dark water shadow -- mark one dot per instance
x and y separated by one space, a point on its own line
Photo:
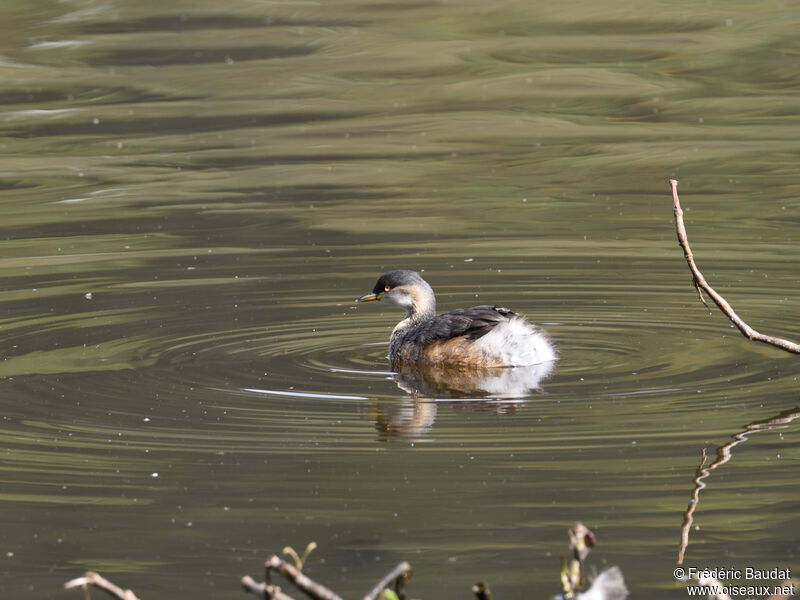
166 56
171 124
189 22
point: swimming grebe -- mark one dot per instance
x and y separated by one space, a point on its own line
480 336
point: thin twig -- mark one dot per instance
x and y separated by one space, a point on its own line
258 589
263 590
702 285
98 581
400 573
311 588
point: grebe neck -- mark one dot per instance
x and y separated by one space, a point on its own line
423 308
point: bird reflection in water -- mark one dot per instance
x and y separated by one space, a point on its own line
497 391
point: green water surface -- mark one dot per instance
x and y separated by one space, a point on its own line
193 193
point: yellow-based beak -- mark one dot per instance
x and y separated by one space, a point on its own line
371 297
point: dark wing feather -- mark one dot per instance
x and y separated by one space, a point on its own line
473 323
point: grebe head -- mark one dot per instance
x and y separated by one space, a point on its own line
405 289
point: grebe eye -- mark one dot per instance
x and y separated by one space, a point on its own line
386 288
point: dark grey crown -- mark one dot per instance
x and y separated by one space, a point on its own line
393 279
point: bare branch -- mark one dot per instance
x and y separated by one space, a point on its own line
263 590
98 581
311 588
400 573
702 285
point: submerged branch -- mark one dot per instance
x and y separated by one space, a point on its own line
702 285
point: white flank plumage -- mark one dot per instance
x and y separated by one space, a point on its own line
517 343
